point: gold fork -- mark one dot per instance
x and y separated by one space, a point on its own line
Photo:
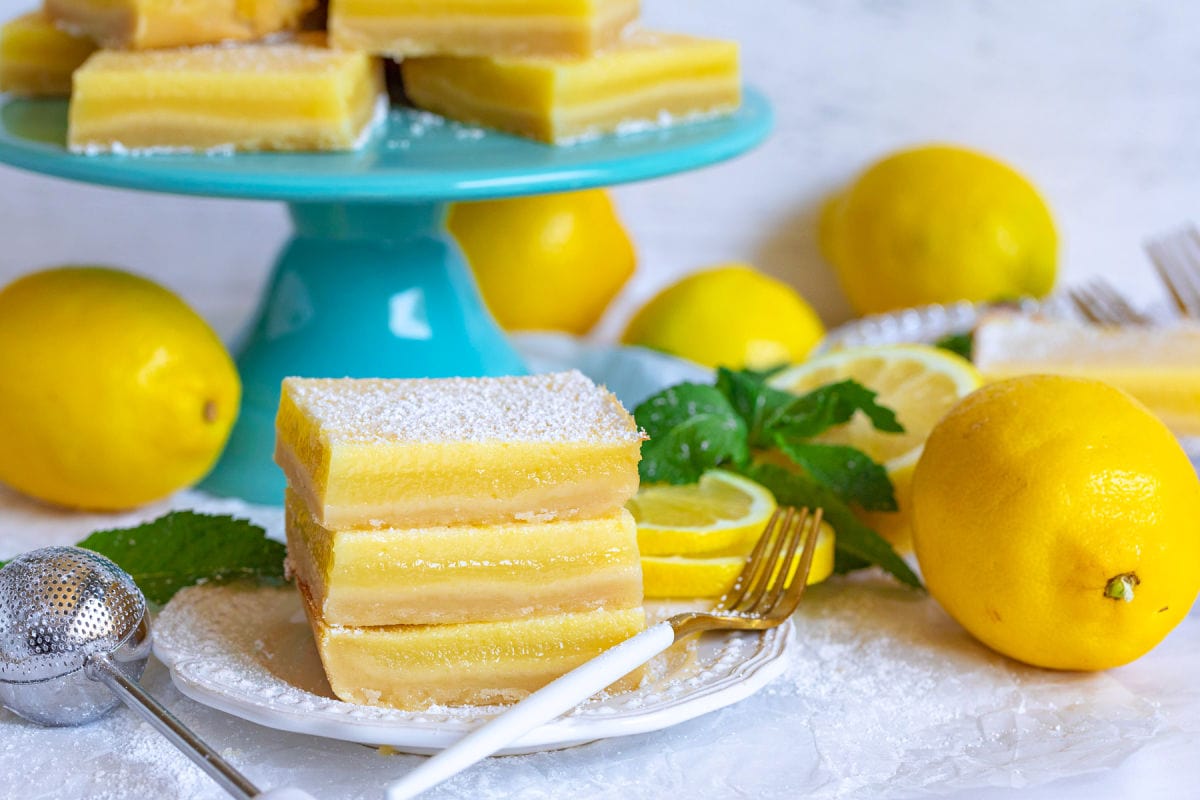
764 595
1176 258
1102 304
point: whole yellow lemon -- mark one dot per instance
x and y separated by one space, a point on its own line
547 262
936 225
115 392
730 315
1057 520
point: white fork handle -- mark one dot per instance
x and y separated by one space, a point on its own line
545 704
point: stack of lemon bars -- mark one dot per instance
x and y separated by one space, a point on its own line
222 76
459 541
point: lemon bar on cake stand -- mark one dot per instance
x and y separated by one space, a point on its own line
648 79
287 95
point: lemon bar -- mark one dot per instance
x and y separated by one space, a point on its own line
466 573
1160 366
401 28
37 59
455 451
647 80
475 663
143 24
280 96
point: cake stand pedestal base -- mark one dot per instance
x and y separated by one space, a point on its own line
365 290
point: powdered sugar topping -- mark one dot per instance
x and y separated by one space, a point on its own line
555 407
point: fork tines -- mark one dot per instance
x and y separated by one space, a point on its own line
1176 258
768 585
1100 303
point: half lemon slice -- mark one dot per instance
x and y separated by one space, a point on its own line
919 382
722 512
683 576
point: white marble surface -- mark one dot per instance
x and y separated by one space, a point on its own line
1094 99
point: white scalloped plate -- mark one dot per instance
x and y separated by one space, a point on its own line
249 652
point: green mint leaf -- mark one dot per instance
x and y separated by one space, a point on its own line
843 562
759 405
692 428
183 548
832 405
958 343
762 375
856 544
742 391
848 471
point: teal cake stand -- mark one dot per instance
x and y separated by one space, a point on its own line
371 284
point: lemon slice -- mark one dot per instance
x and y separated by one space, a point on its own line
682 576
721 512
919 382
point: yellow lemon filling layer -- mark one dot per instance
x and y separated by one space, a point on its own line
478 663
287 96
469 573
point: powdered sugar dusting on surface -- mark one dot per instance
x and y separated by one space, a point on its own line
147 766
556 407
900 698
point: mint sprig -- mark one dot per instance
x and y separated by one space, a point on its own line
692 428
183 548
962 344
696 427
856 545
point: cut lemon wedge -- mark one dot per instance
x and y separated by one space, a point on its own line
919 382
682 576
723 512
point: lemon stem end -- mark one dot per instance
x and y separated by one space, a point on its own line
1120 587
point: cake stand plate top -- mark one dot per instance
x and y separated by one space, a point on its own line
414 157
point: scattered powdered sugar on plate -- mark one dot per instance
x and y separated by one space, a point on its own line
249 651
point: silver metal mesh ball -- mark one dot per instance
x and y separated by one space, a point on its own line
59 605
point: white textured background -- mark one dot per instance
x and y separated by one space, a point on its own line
1098 101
